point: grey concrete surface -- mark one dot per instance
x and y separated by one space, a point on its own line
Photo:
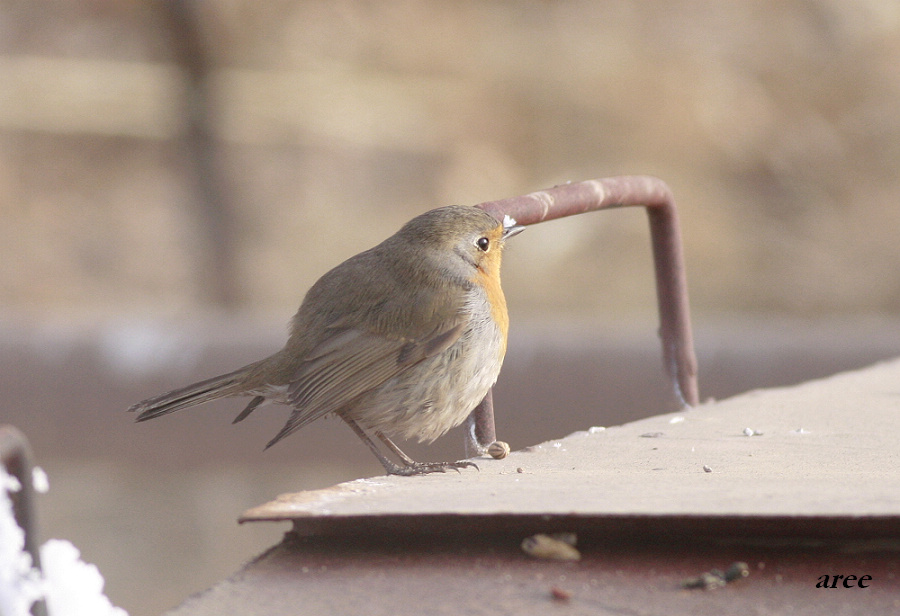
824 448
797 482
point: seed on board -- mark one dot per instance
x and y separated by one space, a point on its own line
570 538
712 579
737 571
549 548
498 450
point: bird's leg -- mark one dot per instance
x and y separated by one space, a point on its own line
411 467
397 451
390 467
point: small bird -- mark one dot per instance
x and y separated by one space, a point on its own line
404 339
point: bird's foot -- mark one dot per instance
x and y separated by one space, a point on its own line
424 468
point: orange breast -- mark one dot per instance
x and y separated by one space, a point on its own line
488 277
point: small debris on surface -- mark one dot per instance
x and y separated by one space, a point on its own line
709 580
652 434
498 450
560 546
706 469
736 571
712 579
560 594
800 431
751 432
595 429
569 538
676 420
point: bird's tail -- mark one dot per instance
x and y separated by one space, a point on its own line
230 384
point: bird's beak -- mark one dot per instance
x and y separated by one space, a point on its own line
510 228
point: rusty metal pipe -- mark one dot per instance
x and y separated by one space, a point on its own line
481 430
668 259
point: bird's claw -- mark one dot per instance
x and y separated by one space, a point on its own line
424 468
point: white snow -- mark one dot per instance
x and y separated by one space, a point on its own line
70 586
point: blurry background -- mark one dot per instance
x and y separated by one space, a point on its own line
174 176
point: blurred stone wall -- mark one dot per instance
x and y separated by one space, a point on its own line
334 121
776 123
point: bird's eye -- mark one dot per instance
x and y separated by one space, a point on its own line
483 243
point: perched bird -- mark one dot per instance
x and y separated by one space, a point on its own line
404 339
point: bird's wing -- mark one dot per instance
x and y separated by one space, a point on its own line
349 362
